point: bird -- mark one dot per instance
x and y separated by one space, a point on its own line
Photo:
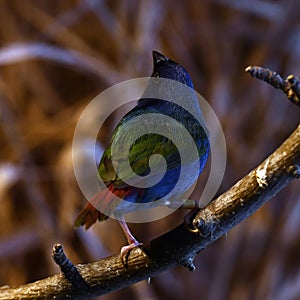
109 199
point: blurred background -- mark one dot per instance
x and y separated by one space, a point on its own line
56 56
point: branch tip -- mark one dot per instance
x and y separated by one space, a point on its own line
248 69
290 86
266 75
67 268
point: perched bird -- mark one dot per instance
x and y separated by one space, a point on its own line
145 147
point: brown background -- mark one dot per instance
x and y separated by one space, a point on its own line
42 95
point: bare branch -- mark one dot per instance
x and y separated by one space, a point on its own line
290 86
67 268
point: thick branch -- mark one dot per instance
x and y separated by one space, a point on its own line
180 245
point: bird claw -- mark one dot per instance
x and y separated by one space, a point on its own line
188 219
125 250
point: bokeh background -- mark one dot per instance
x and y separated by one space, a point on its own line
55 56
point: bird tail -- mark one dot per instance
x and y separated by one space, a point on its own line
90 214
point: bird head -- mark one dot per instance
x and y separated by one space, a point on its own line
164 67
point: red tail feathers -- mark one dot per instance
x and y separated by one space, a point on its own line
88 216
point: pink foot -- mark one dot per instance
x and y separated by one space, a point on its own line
126 249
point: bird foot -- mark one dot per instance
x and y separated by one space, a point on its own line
125 250
188 219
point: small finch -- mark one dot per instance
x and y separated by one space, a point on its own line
142 153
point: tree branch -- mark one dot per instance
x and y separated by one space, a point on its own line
290 86
176 247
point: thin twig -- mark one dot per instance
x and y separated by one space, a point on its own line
67 268
290 86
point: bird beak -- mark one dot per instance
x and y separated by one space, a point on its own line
158 57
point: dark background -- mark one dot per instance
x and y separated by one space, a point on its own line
56 56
